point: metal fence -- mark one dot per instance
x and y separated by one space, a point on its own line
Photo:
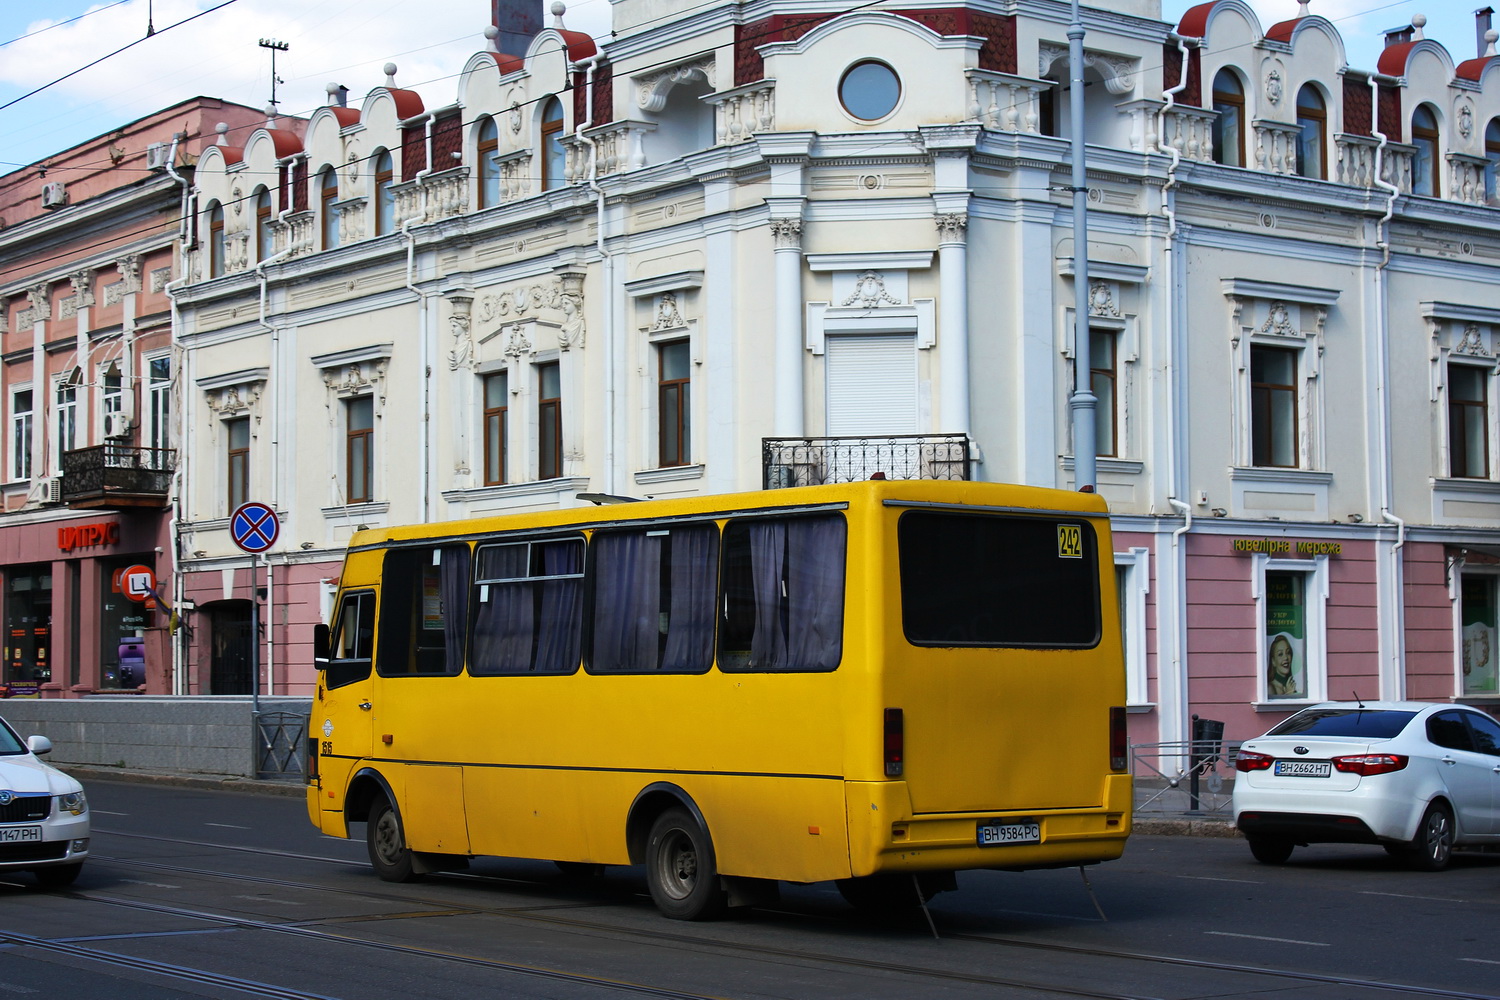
1185 779
814 461
282 736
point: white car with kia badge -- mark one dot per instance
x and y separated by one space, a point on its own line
44 816
1418 778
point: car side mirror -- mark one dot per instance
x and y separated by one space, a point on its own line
320 646
38 745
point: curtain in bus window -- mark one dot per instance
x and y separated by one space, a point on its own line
786 578
815 593
690 608
627 601
503 616
558 647
767 577
455 597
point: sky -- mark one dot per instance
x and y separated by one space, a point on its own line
211 48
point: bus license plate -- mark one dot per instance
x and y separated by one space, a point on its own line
20 834
998 834
1304 768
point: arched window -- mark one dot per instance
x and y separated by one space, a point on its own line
328 193
1312 144
553 155
215 240
488 170
1492 155
263 238
385 194
1424 165
1229 126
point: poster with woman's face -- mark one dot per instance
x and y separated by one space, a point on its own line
1285 676
1285 663
1479 659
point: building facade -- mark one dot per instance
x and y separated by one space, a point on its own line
757 245
90 241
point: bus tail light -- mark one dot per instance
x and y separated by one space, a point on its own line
895 742
1119 739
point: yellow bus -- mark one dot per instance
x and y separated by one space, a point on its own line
880 683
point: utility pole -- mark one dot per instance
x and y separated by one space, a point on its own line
275 47
1082 402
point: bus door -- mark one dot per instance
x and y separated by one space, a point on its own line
341 717
1011 673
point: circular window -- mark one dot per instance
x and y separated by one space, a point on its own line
869 90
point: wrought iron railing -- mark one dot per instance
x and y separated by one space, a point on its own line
815 461
1183 779
117 471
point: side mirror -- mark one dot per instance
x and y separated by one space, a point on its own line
320 646
38 745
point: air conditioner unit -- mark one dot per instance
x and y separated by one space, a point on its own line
116 425
51 490
54 195
156 156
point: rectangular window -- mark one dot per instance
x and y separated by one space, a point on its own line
1286 635
67 422
674 403
972 580
359 448
1273 407
122 630
424 610
28 625
783 594
1468 422
237 461
496 404
20 435
352 645
159 403
528 608
549 421
112 384
1477 612
653 599
1104 380
1132 580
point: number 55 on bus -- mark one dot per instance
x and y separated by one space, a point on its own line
878 683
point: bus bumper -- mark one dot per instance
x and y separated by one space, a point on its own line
886 836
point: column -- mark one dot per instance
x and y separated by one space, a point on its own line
953 322
787 233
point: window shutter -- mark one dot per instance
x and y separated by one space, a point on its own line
872 384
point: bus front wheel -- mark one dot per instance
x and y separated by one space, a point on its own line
389 855
680 868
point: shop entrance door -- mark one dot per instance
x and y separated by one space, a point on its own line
229 667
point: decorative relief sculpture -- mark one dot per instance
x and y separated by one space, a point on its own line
667 316
869 292
787 233
1472 342
1279 321
1102 300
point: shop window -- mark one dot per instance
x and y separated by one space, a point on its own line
20 434
496 408
28 628
1273 407
1312 137
1468 421
1229 126
1425 164
674 403
122 630
1291 595
1478 621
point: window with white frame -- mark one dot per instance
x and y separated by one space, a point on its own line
112 388
1133 583
21 415
159 402
674 403
1477 623
1104 382
1469 420
236 462
359 449
1274 406
1291 595
496 426
66 416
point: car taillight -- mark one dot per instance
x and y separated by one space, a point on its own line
895 742
1370 763
1249 760
1119 741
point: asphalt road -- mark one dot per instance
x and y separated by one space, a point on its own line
198 893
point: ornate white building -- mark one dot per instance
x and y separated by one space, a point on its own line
765 243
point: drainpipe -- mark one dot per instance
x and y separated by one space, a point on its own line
1173 722
174 522
1393 670
1082 403
423 344
607 266
274 387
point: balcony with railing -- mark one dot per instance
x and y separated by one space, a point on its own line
118 475
815 461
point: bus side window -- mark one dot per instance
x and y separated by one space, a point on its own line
783 594
528 607
653 595
424 610
353 642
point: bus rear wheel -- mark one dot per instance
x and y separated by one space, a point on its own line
680 868
389 855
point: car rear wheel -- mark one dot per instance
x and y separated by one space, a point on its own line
1433 847
1271 850
386 840
680 868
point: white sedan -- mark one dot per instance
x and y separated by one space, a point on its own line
44 816
1415 777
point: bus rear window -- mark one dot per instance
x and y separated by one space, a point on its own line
998 580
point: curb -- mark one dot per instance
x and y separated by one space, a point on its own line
217 783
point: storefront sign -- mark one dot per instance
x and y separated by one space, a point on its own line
83 536
1287 546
